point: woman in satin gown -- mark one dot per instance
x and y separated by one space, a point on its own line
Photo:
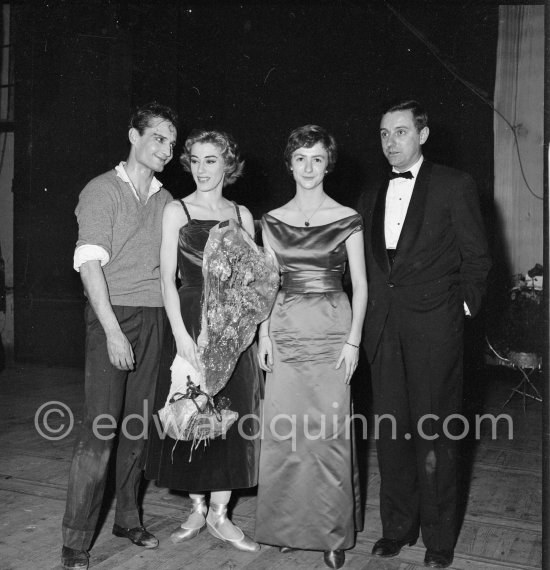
308 484
229 462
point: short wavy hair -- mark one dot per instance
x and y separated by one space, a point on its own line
143 116
420 116
229 149
308 136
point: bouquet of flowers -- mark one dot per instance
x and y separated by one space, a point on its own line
241 281
240 285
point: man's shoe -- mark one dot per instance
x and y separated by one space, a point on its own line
387 547
138 535
439 558
72 559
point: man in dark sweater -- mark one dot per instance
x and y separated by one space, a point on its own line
119 217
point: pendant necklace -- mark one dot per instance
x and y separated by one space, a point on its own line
306 223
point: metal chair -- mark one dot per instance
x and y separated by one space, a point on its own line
526 363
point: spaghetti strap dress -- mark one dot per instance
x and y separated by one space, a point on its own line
224 463
308 490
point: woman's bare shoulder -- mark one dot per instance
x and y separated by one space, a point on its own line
282 211
174 207
245 211
339 210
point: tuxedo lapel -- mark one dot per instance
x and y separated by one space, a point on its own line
378 237
415 214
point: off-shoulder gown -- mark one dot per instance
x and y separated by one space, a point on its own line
308 490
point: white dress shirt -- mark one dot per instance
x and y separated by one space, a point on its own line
398 199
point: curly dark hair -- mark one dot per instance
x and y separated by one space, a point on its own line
228 147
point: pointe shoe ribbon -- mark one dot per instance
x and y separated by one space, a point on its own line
217 519
195 523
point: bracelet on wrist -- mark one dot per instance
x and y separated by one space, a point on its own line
354 345
264 336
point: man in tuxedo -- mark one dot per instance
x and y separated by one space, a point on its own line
427 261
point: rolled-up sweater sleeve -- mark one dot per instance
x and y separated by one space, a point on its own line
89 252
95 214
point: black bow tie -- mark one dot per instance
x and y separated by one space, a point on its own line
407 174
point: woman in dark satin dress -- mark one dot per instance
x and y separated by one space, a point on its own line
308 484
225 463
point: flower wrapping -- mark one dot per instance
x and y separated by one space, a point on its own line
177 415
179 410
241 282
193 416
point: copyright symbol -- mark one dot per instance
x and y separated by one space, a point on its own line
52 428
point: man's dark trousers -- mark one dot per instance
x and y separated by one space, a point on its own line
417 382
118 394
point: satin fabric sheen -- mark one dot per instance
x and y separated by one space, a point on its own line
225 463
308 493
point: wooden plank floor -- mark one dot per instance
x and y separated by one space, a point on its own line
502 493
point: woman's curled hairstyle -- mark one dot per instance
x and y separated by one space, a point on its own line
228 147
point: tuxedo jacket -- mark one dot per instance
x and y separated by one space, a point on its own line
441 259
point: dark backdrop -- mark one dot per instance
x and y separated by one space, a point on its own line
255 69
